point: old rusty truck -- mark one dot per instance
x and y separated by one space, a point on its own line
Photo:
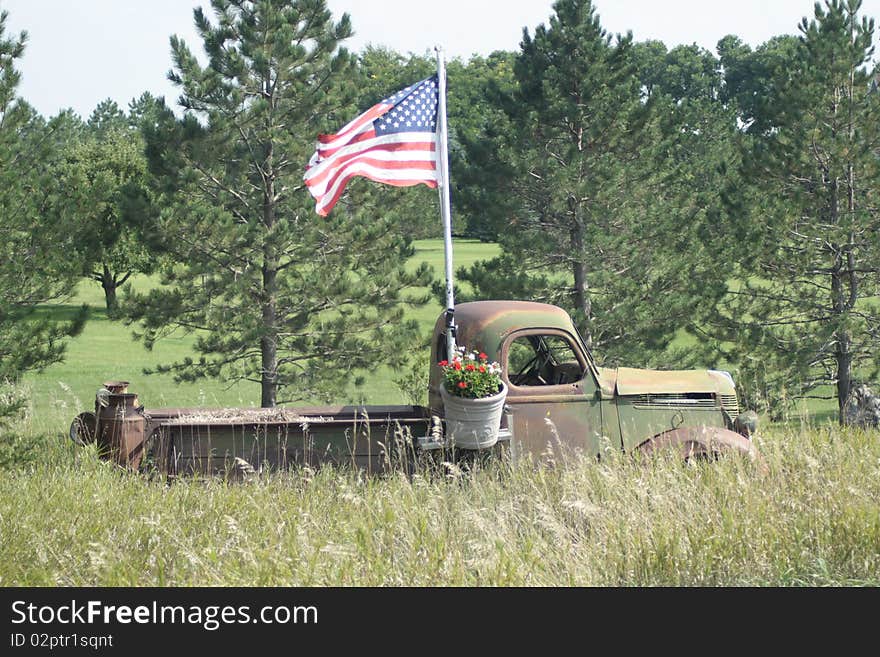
558 400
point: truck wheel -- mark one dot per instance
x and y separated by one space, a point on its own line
702 443
82 429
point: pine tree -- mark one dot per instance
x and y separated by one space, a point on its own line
694 160
576 96
275 294
589 170
478 125
34 255
805 313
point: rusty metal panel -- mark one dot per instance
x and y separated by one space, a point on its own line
555 427
705 442
210 442
632 381
640 420
607 378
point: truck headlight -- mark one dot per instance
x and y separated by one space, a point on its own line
746 423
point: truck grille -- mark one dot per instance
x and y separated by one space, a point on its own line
730 404
673 401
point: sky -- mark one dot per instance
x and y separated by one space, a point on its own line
82 51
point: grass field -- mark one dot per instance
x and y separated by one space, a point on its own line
810 517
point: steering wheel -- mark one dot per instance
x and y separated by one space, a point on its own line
531 369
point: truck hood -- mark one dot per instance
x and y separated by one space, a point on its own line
630 381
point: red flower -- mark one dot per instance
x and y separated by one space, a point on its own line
457 365
483 356
443 363
462 384
469 367
482 369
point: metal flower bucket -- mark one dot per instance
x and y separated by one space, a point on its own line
473 423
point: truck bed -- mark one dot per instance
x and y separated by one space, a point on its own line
188 440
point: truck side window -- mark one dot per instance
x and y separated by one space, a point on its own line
542 360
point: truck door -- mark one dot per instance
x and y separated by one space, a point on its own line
552 394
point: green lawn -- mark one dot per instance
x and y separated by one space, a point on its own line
106 350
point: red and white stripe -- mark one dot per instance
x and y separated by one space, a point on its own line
400 159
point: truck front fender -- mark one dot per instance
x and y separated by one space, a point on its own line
701 442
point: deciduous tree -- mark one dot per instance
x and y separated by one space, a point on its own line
106 200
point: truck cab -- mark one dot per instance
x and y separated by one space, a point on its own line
559 399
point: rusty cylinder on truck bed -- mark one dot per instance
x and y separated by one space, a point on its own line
120 424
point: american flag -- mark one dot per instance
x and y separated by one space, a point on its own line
394 142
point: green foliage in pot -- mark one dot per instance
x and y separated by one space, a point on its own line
471 375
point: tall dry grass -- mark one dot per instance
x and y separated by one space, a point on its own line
813 518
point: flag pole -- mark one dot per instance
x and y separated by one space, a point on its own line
445 205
